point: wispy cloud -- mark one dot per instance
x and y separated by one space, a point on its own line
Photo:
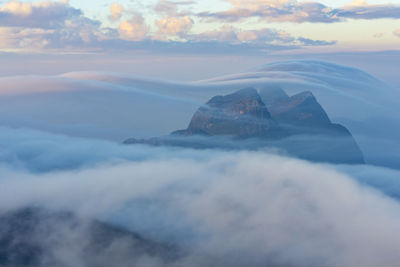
274 10
296 11
116 11
259 37
49 14
362 10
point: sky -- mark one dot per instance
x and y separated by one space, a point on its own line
256 26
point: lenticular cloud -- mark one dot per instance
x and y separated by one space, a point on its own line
115 106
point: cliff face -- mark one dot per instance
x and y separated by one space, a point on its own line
297 125
241 114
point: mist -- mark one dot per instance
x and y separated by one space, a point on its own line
115 106
261 206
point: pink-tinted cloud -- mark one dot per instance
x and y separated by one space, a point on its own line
296 11
46 14
116 11
175 26
133 29
397 33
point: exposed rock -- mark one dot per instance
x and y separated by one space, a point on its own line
300 113
272 94
241 114
297 125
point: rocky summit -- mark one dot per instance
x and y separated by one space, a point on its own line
249 119
241 114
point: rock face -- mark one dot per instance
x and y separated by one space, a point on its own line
299 114
248 119
241 114
272 94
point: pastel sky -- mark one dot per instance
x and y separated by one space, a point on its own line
194 26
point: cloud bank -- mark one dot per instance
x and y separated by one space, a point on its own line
299 12
235 209
57 26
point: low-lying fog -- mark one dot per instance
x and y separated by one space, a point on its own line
60 149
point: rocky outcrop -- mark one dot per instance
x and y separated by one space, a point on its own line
241 114
301 109
248 119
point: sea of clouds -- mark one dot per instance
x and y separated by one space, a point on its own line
60 149
230 208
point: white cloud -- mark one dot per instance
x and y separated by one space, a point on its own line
116 11
133 29
264 208
17 8
231 34
174 26
11 37
260 37
48 25
57 25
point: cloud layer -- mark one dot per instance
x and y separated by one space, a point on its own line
368 107
296 11
56 25
235 209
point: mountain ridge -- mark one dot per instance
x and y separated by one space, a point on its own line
297 125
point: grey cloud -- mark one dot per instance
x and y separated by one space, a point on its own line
295 11
58 26
366 11
292 11
48 15
310 42
49 25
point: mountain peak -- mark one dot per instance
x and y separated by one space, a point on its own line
302 110
272 94
296 124
241 114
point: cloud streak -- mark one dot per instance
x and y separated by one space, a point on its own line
48 15
299 12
